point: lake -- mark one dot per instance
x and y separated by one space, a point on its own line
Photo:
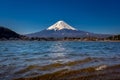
61 60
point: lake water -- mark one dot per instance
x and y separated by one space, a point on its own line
23 59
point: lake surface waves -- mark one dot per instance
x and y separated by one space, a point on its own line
59 60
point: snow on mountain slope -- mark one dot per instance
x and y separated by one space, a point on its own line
60 25
62 29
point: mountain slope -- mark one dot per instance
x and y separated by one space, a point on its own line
62 29
7 33
65 33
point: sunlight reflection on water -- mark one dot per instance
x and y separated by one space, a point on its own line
27 56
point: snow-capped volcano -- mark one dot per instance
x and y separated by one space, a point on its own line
61 29
60 25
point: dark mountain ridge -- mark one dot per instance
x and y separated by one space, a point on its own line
6 33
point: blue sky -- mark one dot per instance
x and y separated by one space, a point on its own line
27 16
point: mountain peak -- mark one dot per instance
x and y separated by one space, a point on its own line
60 25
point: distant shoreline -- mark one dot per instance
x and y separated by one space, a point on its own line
66 40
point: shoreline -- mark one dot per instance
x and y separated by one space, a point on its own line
64 40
